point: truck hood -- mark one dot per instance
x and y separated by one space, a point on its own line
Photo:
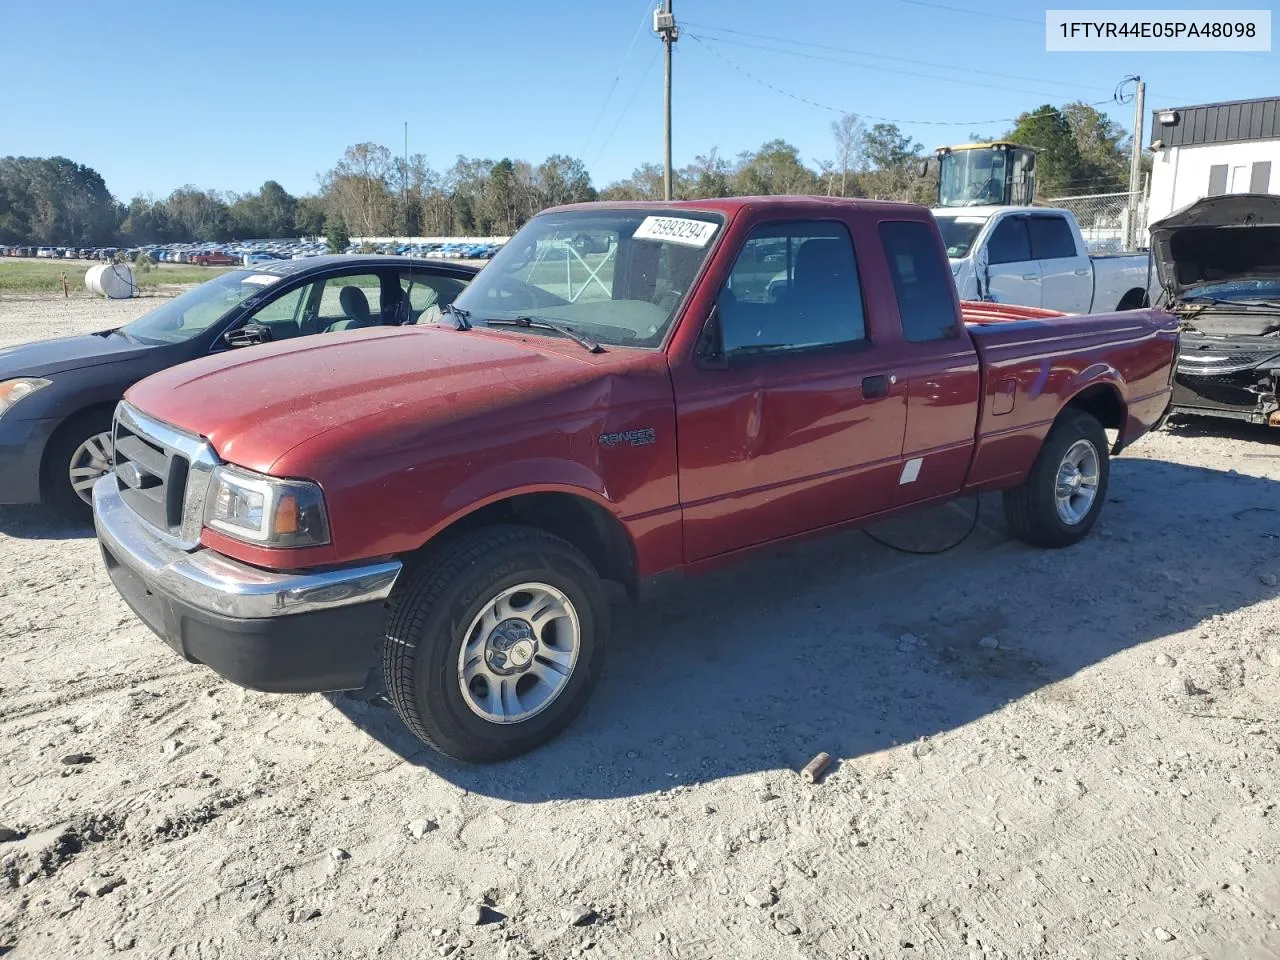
1218 239
48 357
256 404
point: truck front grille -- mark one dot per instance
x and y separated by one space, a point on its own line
162 475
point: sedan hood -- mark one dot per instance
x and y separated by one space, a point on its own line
1218 239
256 404
48 357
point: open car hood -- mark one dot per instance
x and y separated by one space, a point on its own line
1218 239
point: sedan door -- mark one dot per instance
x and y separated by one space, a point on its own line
1066 274
1013 272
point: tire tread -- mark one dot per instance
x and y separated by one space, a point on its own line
408 610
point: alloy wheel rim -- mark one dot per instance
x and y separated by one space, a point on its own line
1076 485
519 653
91 461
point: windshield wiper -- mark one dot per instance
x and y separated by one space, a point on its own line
461 318
1209 300
537 323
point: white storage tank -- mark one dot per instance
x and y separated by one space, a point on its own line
112 280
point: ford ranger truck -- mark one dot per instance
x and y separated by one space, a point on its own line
626 389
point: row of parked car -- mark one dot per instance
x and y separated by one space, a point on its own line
247 253
60 253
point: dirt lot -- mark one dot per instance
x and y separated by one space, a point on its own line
1039 754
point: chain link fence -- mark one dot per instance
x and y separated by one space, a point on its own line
1110 222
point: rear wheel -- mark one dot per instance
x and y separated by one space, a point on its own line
78 456
494 644
1059 501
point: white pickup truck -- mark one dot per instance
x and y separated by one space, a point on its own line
1036 257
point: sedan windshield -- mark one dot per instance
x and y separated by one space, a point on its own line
197 310
1236 291
958 233
616 276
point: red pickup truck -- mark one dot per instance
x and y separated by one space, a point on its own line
438 504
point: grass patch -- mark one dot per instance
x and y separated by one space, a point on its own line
41 276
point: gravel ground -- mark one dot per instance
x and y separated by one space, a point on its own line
1037 754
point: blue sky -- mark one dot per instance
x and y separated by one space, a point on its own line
225 95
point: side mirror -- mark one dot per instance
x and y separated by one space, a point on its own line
710 351
247 336
922 169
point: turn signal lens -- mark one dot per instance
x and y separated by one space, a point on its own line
286 517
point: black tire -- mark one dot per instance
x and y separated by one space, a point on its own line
434 604
55 483
1031 508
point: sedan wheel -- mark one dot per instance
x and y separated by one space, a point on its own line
90 462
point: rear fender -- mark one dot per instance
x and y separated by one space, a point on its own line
1099 390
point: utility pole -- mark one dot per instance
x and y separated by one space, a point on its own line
1135 162
664 24
404 184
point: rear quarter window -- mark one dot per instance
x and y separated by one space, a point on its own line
921 283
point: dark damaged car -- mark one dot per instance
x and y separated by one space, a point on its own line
1219 266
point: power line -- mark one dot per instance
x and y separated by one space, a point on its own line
885 56
824 106
644 20
975 13
652 60
836 109
910 73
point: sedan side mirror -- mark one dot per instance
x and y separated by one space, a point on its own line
247 336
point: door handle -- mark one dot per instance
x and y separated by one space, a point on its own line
1083 272
1031 276
875 387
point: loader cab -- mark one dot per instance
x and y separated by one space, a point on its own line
986 174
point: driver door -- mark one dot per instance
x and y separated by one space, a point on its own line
1014 273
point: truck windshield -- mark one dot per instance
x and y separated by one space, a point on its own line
617 276
958 233
197 310
971 178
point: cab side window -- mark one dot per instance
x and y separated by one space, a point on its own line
1009 241
922 284
793 287
1051 238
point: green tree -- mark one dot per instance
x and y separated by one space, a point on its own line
336 234
308 217
710 175
1103 147
888 148
775 169
1058 163
563 179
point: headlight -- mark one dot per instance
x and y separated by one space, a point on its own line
261 509
11 391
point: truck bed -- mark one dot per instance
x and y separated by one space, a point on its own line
1035 360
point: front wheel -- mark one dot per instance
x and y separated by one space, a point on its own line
494 643
1059 501
79 455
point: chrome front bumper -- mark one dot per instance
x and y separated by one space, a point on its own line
210 582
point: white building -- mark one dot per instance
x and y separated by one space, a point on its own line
1212 149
